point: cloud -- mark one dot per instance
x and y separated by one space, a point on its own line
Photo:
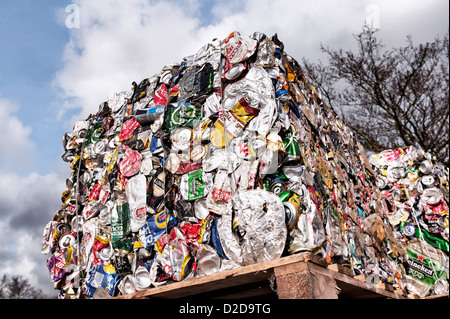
15 144
424 20
118 43
24 258
27 204
28 201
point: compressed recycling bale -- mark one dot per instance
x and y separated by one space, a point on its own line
229 158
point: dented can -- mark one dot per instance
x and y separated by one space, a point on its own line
237 48
291 202
232 123
276 184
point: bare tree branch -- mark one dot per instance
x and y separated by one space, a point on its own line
390 97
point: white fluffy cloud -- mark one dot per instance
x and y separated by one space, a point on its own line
121 42
27 200
118 43
16 148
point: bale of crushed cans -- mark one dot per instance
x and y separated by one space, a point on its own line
230 158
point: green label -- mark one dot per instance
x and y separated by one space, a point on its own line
196 187
423 269
120 223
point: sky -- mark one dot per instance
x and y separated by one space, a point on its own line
59 60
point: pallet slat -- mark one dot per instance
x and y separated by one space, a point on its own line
305 273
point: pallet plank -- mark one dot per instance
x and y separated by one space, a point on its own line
224 279
306 270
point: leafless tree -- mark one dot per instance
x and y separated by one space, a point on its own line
16 287
389 97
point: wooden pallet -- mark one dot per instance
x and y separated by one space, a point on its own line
299 276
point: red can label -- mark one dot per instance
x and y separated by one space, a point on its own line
220 194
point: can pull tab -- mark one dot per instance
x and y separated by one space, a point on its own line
237 230
66 242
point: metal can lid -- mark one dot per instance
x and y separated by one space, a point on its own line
76 223
127 284
107 252
182 138
142 278
259 144
172 163
277 187
426 167
229 102
198 152
201 209
100 146
409 230
427 180
67 239
235 71
62 228
382 182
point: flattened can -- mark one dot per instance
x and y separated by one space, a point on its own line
426 167
198 152
276 184
427 181
291 146
155 227
182 138
257 146
291 202
237 48
195 184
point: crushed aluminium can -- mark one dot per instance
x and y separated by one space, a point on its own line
424 270
275 184
291 202
101 277
237 48
195 184
232 123
258 211
155 227
120 226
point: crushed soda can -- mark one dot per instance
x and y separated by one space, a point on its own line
195 184
101 278
425 267
258 210
155 227
237 48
